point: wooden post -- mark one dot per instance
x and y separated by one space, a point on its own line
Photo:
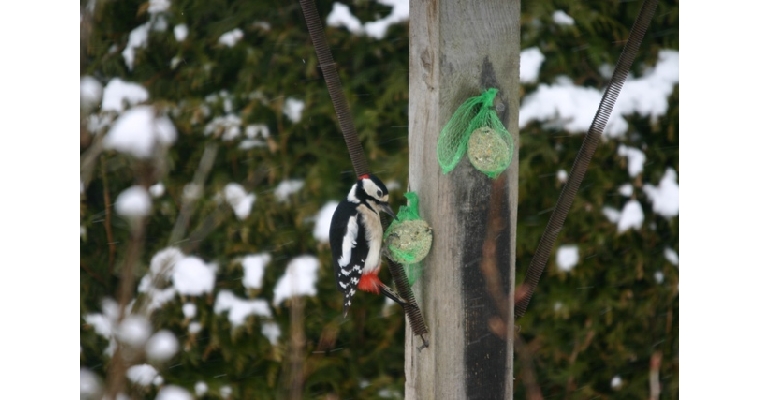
457 49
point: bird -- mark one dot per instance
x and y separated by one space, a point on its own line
356 236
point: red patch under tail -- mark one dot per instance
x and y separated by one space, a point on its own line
370 282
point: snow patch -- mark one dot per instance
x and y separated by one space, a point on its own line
293 108
636 159
567 257
272 331
156 190
161 346
118 92
239 309
530 64
253 266
562 176
133 202
286 188
561 18
631 217
192 277
142 374
240 200
180 32
134 331
664 196
626 190
616 382
158 6
138 39
324 218
671 256
300 278
90 92
230 38
573 107
201 388
172 392
138 130
189 310
90 385
341 16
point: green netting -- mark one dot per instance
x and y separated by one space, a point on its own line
409 238
476 129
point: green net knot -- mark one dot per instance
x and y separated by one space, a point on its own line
475 129
408 239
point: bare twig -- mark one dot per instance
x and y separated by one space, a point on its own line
87 160
107 222
207 161
116 379
298 343
654 372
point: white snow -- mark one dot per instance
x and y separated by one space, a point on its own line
626 190
239 309
89 384
180 32
561 18
400 13
138 38
228 125
530 64
156 190
671 256
157 6
659 276
161 346
567 257
142 374
225 391
118 92
287 187
90 92
192 277
172 392
253 269
165 259
324 218
230 38
253 132
138 130
134 331
272 331
201 388
616 382
240 200
293 108
341 16
103 322
133 201
194 327
189 310
573 107
612 214
300 278
562 175
664 196
631 217
636 159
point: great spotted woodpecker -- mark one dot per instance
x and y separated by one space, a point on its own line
356 236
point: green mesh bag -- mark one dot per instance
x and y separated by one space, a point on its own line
476 129
409 238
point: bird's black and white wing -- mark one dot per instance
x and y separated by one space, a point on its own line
348 252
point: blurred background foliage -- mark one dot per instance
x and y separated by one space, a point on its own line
605 318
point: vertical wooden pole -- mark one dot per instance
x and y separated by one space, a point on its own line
457 49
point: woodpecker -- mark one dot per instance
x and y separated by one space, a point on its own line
356 236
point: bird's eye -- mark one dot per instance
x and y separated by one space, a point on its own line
379 194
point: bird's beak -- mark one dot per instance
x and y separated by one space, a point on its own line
388 210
